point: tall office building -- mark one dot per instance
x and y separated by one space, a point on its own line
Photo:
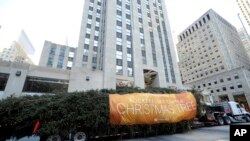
129 41
209 46
212 58
57 56
245 38
19 51
244 6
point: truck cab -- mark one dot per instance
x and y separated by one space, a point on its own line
235 112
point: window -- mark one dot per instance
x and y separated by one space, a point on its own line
91 8
128 26
119 62
239 85
236 76
89 16
208 17
130 64
86 46
119 70
87 36
88 25
118 47
118 34
140 20
229 79
96 38
129 38
94 59
127 7
221 80
118 12
98 19
119 2
99 3
141 30
215 82
231 87
218 90
119 23
85 58
95 49
224 88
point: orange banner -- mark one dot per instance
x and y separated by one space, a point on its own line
146 108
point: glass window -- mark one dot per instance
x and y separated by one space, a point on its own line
119 23
118 47
118 35
119 62
130 72
94 59
130 64
85 58
86 46
119 12
89 16
119 70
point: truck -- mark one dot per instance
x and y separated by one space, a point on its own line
222 113
234 111
214 115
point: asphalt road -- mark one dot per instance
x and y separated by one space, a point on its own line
214 133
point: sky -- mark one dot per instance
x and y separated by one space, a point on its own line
59 20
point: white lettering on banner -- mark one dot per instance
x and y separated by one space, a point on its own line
151 108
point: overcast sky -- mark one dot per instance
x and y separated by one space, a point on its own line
56 20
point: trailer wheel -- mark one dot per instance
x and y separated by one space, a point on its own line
227 120
54 138
80 136
220 120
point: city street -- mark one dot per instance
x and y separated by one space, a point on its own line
215 133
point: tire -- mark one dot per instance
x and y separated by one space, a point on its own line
227 120
220 120
80 136
54 138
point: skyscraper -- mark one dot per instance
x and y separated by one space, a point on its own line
19 51
209 46
213 59
129 41
245 40
244 6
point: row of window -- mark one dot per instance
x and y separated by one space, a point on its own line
88 34
142 41
225 88
236 76
119 39
195 27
